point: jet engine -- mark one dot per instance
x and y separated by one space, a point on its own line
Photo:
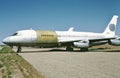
115 42
81 44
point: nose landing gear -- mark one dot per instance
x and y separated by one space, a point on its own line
19 49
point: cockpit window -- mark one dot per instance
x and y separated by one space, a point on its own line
14 34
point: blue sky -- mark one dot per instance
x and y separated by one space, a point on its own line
83 15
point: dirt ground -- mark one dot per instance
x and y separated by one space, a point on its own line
62 64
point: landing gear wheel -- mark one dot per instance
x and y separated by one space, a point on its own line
19 49
83 49
69 49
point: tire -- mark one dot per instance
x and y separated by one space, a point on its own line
69 49
19 49
83 49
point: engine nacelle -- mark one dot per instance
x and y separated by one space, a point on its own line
81 44
115 42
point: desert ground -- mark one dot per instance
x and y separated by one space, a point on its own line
58 63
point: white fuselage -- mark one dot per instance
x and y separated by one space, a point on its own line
68 36
31 36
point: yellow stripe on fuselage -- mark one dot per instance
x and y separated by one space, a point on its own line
44 36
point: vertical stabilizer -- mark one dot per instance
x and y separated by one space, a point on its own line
111 27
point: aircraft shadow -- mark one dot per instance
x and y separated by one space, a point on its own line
61 50
41 51
52 50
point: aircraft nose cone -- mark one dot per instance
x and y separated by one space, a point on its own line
6 40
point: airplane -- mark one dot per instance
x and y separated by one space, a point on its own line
69 39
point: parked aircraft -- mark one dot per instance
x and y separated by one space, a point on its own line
69 39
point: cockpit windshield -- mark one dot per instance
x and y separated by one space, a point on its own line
15 34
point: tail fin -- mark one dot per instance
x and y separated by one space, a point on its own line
110 29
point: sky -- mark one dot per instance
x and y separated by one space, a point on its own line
83 15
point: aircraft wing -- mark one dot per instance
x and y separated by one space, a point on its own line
90 40
102 39
68 40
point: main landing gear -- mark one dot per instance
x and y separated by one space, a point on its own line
83 49
69 48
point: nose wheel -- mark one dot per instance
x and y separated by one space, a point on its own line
19 49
